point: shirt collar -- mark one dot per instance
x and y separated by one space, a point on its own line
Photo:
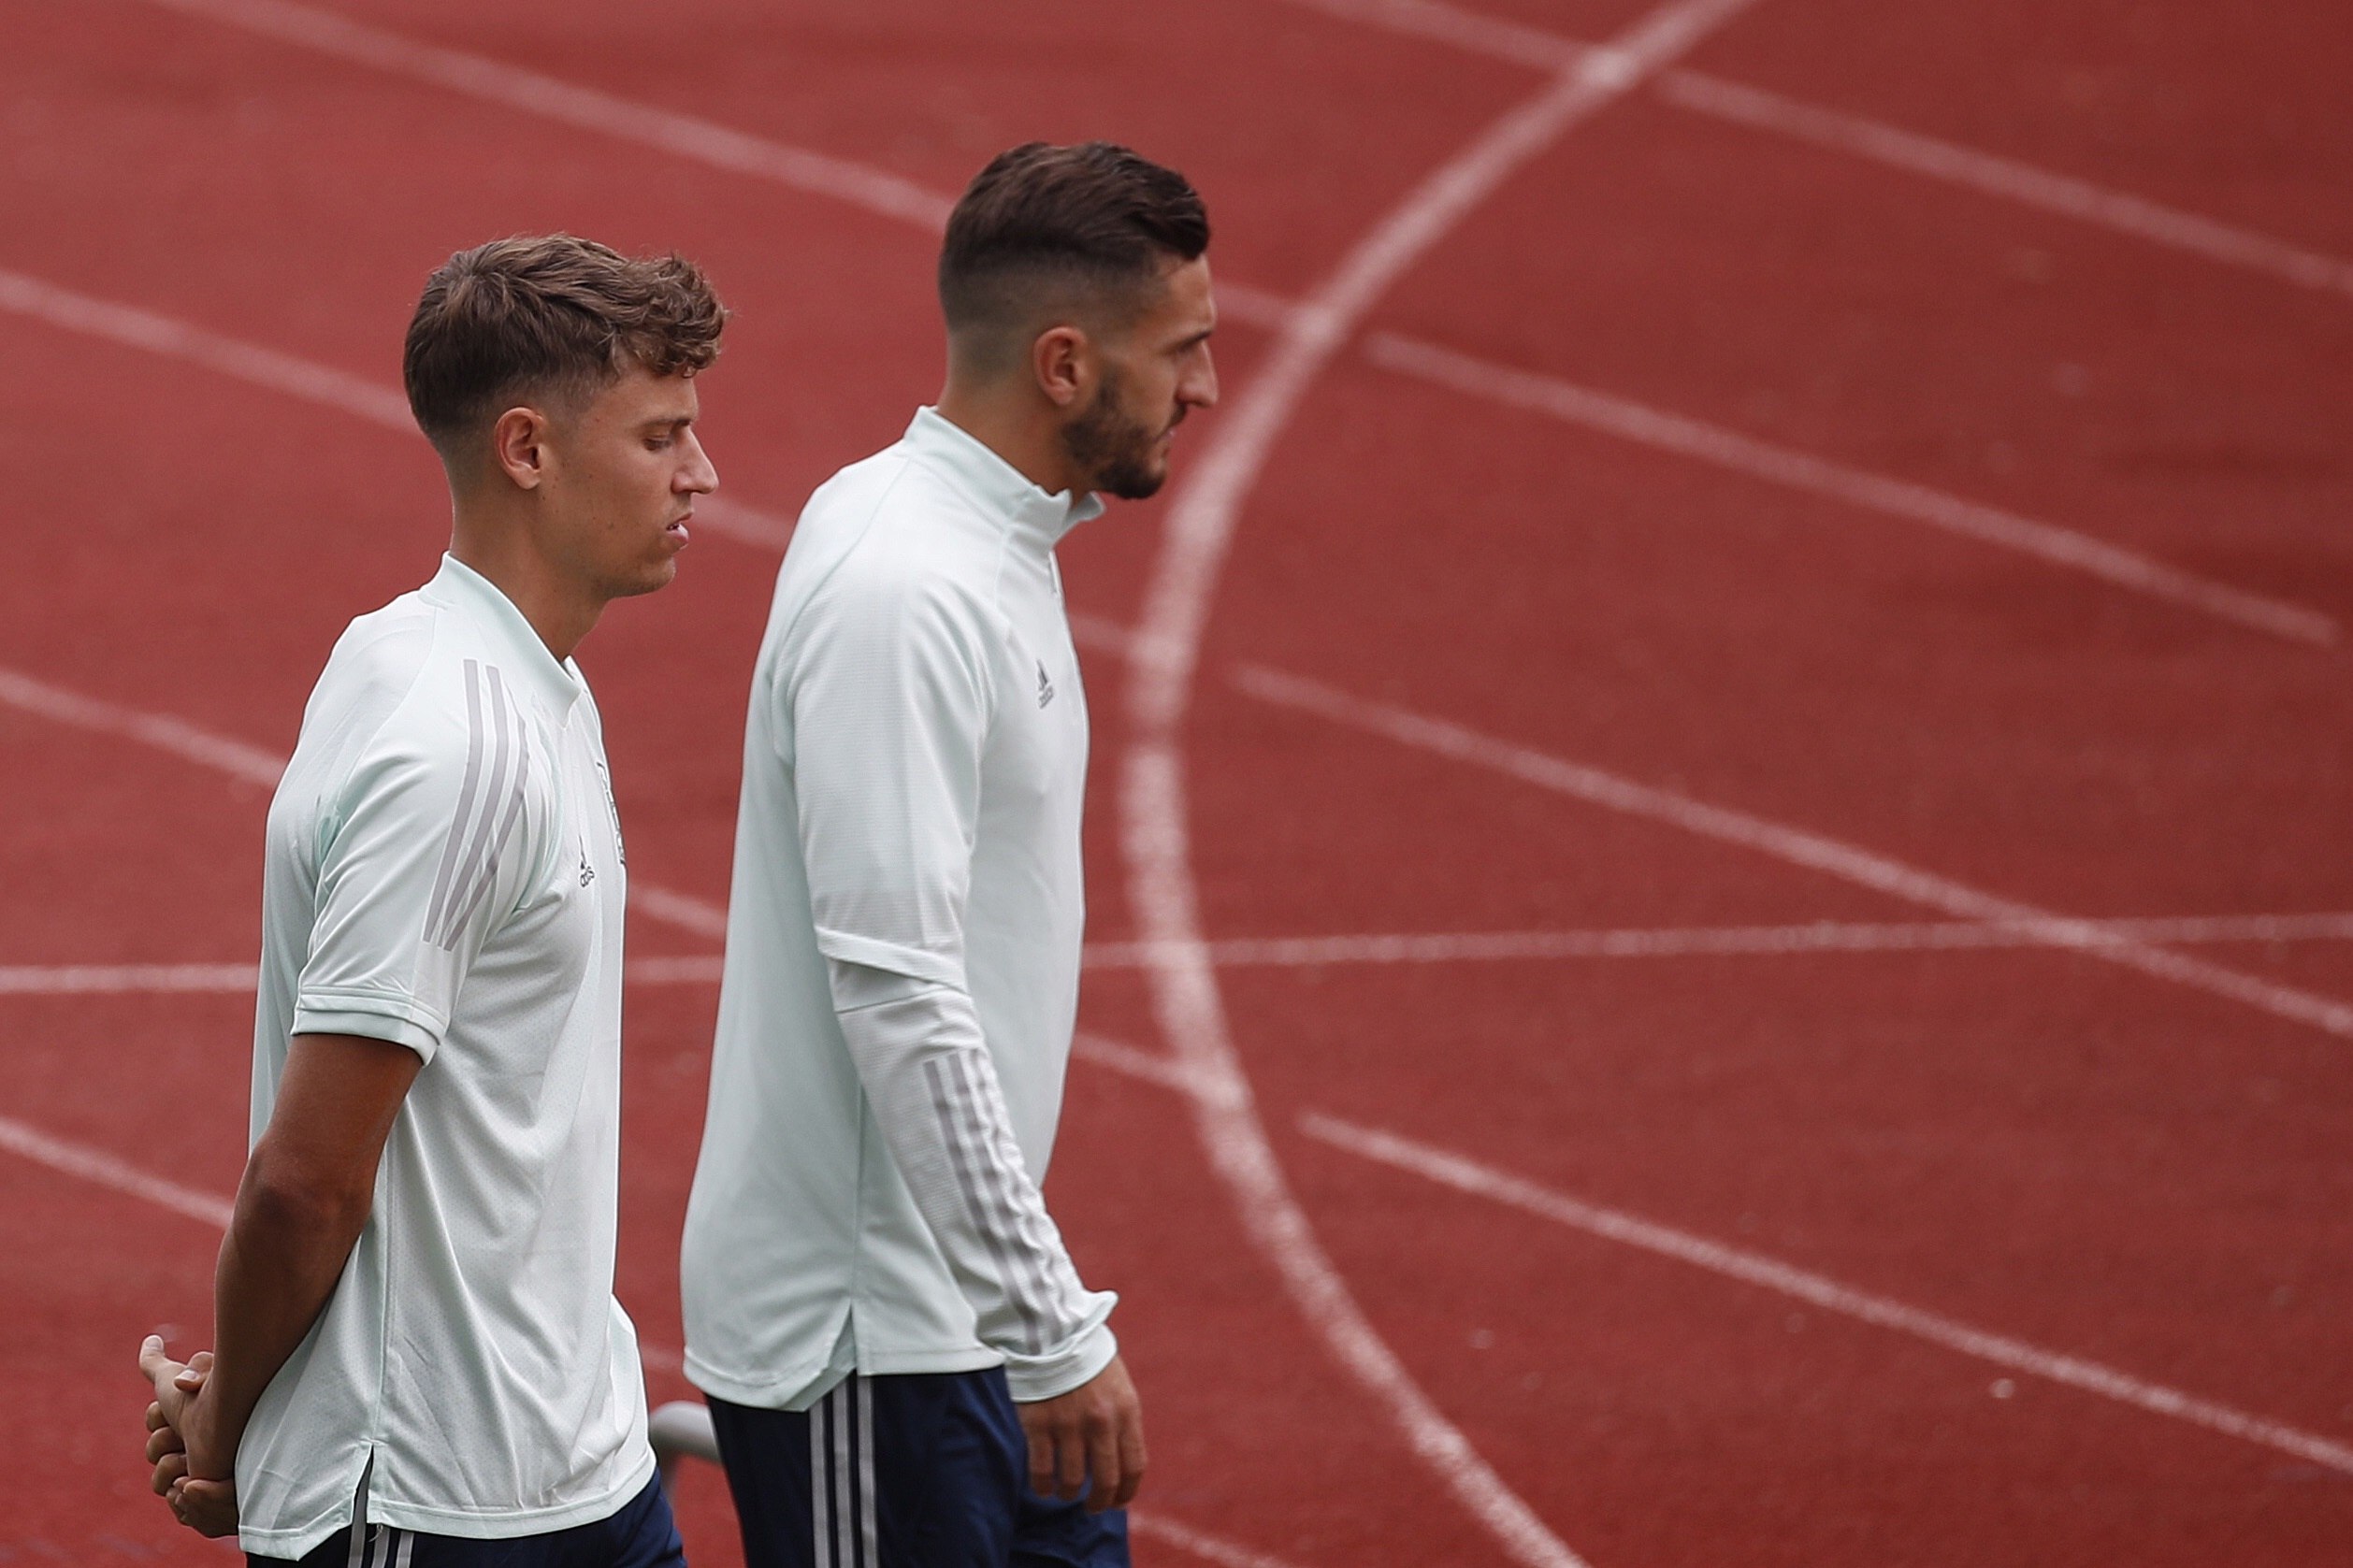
460 587
1004 490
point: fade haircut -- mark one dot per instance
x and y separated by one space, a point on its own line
1090 225
551 318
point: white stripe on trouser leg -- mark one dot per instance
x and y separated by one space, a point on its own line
844 1521
359 1518
820 1536
866 1471
408 1548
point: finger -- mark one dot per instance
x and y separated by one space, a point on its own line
201 1363
211 1506
1131 1459
1070 1455
161 1442
155 1421
1103 1471
169 1472
1041 1436
163 1373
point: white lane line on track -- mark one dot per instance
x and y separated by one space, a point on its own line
1794 846
1378 948
1985 173
2009 180
1194 544
1752 1268
104 1169
254 764
2064 548
1675 942
706 918
1466 1176
1894 498
85 980
1201 1543
260 766
133 328
1601 77
588 108
887 194
311 382
1470 31
76 980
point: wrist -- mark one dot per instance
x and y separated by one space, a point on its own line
211 1451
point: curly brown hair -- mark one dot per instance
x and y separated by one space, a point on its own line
549 317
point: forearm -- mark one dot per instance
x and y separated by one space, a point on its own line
288 1242
933 1089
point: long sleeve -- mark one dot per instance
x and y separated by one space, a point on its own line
927 1070
889 711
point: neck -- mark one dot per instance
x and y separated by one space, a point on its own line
1020 429
497 537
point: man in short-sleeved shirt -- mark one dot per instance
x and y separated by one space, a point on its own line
882 1311
444 872
420 1360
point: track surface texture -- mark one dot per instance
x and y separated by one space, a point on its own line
1720 827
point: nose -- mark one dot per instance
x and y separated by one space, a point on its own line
697 477
1199 389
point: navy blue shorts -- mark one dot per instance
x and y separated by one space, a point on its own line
927 1469
640 1535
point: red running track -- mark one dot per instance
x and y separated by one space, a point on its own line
2075 1155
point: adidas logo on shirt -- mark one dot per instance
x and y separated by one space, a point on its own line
1045 687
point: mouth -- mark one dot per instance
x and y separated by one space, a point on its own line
676 528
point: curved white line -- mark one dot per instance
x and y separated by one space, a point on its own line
1167 650
1986 173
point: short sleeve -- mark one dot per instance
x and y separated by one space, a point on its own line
421 860
887 706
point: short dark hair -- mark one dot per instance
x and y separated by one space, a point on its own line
549 316
1095 215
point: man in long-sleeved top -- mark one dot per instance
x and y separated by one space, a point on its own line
883 1313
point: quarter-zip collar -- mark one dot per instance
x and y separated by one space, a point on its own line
1001 490
460 587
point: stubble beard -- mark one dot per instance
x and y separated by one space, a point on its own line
1112 448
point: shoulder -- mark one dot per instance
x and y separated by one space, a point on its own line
892 505
411 697
897 540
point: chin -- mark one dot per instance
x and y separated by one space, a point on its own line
653 577
1137 483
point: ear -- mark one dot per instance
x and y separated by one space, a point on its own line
518 447
1064 362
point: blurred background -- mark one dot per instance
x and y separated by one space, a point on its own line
1745 704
